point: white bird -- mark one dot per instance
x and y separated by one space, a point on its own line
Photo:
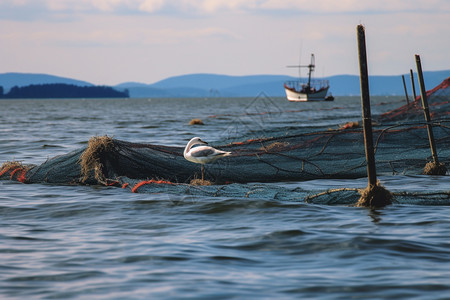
202 154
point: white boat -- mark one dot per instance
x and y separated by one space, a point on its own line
312 90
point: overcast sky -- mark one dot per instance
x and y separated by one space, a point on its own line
113 41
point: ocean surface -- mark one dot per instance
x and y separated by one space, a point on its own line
95 242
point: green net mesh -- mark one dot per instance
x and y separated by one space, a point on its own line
400 138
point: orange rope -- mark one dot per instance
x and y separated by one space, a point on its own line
22 177
13 170
110 182
2 172
138 185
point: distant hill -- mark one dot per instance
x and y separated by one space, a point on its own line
384 85
215 85
62 90
215 81
8 80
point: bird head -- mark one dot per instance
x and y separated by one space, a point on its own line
198 140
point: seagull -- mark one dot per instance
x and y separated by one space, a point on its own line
202 154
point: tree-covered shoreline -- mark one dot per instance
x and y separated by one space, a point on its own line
61 90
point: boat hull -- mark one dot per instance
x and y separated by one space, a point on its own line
295 96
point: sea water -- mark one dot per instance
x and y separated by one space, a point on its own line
94 242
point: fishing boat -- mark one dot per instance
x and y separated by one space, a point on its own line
312 90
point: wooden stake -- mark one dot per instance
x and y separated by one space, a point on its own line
413 85
365 103
426 110
375 195
406 91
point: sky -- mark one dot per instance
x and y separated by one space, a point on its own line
113 41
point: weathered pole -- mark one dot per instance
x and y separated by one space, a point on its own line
413 86
426 110
406 90
365 103
375 195
433 168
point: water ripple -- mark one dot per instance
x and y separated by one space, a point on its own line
91 242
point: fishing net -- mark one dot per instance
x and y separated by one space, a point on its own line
295 155
348 196
331 154
438 101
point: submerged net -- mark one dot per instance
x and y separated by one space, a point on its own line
401 148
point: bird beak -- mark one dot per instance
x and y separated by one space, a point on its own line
203 142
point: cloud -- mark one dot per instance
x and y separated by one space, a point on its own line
53 9
21 10
160 38
95 36
151 5
355 6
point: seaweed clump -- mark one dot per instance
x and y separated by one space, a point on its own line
374 196
90 159
433 168
197 181
196 122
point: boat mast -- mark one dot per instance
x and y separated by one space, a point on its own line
311 67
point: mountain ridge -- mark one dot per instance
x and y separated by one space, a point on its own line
11 79
219 85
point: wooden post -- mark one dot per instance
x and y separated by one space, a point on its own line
413 85
365 103
426 110
375 195
406 90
